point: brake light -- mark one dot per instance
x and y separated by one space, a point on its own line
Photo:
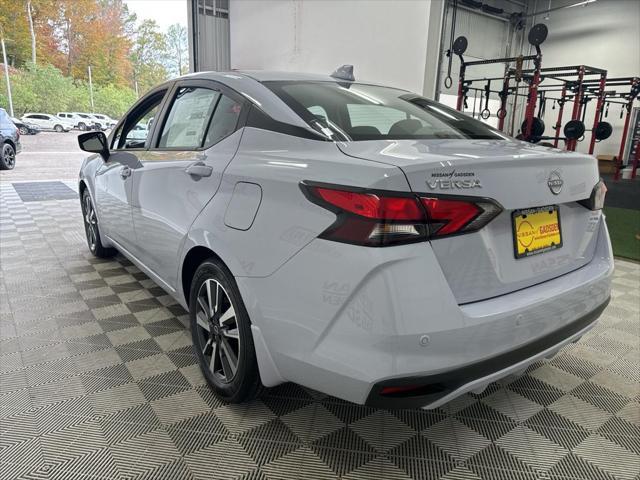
450 216
370 205
382 218
453 216
596 199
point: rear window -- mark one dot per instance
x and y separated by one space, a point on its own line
353 112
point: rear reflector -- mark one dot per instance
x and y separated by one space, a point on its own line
382 218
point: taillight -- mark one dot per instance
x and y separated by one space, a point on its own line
452 216
381 218
596 199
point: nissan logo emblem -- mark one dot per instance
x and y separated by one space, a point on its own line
555 183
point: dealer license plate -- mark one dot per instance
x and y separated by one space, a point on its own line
536 230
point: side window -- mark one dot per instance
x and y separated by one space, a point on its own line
188 118
224 121
135 130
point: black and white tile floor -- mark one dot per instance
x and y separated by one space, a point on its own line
98 380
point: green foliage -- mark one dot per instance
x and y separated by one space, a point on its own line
148 56
113 101
43 88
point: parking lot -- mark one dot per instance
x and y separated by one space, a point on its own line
47 156
99 380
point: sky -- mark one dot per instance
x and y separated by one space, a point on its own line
164 12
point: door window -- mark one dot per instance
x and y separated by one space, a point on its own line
188 118
135 130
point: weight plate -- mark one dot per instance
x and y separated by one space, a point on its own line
537 127
574 129
603 131
538 34
460 45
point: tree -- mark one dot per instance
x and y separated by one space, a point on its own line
32 32
147 57
177 49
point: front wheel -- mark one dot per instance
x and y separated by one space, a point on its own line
8 157
82 126
221 332
58 128
91 229
23 131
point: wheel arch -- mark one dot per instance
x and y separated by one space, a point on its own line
10 142
269 373
192 260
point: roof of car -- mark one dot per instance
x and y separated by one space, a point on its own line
264 75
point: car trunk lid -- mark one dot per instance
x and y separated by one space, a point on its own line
518 176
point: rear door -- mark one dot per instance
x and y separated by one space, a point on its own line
113 181
195 138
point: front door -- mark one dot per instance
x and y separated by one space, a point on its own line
182 171
114 179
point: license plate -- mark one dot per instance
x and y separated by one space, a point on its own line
536 230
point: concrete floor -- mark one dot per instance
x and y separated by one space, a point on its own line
98 380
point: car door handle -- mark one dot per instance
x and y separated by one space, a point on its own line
199 169
125 173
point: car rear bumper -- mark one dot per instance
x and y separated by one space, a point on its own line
348 321
436 390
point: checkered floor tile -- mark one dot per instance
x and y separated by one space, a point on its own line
98 380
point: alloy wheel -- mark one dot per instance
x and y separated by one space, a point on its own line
9 155
91 223
218 332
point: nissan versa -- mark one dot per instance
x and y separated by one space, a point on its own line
356 239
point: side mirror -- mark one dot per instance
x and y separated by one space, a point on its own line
94 142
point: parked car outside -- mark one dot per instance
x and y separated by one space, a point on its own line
76 120
138 132
25 128
106 121
91 121
47 122
9 141
81 121
359 240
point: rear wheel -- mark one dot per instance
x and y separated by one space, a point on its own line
82 126
91 229
58 128
221 332
8 157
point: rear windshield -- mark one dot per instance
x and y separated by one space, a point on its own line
352 111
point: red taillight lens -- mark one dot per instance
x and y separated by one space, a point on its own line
370 205
379 218
450 216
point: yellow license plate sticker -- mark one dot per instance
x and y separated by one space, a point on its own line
536 230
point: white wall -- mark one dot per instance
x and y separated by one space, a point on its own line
604 34
385 40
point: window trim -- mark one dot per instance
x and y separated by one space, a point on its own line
201 83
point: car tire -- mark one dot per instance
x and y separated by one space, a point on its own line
90 220
23 131
58 128
82 127
222 335
7 157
